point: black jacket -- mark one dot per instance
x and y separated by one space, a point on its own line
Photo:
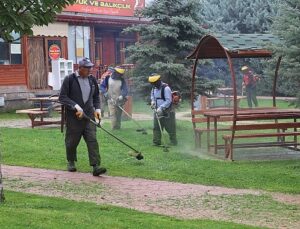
70 95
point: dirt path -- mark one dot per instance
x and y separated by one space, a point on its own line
252 207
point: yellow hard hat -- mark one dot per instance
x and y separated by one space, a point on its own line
244 68
120 70
153 78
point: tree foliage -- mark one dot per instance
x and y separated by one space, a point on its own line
173 32
21 15
239 16
287 27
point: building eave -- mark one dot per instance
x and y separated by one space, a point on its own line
100 19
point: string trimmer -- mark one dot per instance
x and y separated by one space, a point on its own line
161 132
138 155
141 129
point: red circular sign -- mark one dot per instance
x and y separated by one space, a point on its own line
54 52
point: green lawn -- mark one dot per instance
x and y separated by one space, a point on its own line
32 211
12 115
267 103
44 148
261 103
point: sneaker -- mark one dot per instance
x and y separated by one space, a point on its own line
71 166
98 170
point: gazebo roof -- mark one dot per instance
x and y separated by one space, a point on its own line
236 45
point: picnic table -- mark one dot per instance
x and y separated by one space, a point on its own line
253 114
43 111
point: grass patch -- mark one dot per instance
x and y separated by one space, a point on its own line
44 148
12 115
267 103
32 211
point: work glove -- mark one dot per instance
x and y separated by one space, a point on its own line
152 105
97 114
79 111
159 111
121 100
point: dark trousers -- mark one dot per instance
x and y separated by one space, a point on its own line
75 130
168 123
251 96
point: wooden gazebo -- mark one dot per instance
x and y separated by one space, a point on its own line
242 46
234 46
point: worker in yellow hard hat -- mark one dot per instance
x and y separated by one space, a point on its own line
164 113
114 88
249 83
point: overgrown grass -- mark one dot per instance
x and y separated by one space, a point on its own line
32 211
44 148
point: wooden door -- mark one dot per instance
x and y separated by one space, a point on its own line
108 52
37 71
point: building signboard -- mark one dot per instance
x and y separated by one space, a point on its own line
107 7
54 52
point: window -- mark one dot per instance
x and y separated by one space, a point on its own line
11 53
78 43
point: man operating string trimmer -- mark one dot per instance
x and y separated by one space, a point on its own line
80 95
164 113
114 88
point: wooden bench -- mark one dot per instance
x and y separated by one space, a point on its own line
199 131
280 134
37 112
198 118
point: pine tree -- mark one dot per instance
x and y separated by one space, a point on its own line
239 16
287 27
173 32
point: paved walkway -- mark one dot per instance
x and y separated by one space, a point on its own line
187 201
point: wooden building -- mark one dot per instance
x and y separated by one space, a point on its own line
86 29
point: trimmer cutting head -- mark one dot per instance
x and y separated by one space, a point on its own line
139 156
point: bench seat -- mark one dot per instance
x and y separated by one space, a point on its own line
33 113
199 131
